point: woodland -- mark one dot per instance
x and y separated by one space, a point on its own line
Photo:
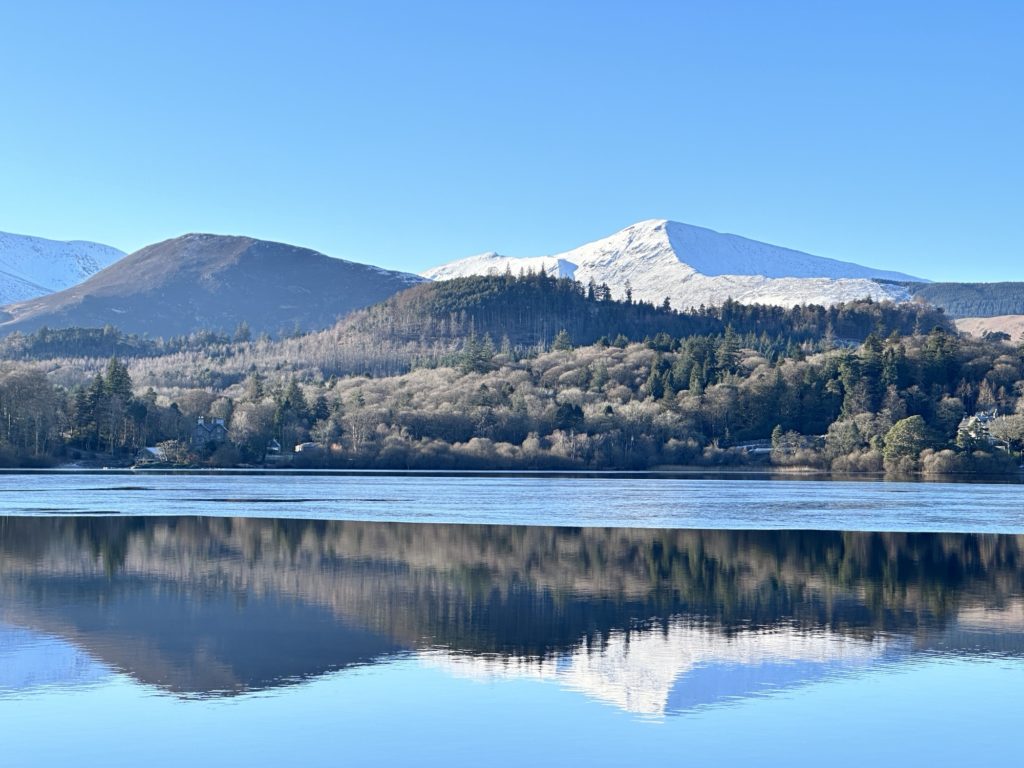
529 372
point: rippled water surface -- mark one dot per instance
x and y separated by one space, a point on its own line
650 502
181 640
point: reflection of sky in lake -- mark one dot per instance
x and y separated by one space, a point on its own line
257 642
932 710
31 662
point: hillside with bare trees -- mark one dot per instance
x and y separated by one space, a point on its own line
460 375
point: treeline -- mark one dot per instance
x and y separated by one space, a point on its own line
527 371
400 582
49 343
438 324
530 309
894 403
106 417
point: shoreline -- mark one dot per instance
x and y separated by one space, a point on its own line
659 473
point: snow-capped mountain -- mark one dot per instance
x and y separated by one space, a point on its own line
693 266
33 266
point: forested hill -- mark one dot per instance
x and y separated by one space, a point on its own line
533 309
527 310
972 299
432 324
432 379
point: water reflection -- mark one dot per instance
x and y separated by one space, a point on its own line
652 622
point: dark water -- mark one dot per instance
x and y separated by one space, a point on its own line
246 641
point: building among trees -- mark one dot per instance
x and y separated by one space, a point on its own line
208 431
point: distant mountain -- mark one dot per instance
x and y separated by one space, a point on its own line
34 266
212 282
693 266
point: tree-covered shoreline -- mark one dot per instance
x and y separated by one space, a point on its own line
459 376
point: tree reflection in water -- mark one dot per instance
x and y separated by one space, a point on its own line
652 621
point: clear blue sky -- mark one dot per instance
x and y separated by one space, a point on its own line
410 133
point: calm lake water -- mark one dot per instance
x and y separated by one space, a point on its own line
610 500
252 637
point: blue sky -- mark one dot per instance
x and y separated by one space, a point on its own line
411 133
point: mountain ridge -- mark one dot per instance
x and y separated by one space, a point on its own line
693 265
201 281
35 266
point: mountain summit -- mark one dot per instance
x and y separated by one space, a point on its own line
35 266
213 282
693 266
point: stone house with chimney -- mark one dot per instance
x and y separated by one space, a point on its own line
207 431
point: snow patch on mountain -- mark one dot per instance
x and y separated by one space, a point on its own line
34 266
495 264
693 266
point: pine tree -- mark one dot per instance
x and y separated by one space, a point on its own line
728 352
487 351
295 401
118 383
96 408
83 417
562 342
668 392
321 409
696 382
828 341
872 369
654 385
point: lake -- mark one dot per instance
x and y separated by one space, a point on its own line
609 499
388 620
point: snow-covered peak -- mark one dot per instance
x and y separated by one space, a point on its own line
693 265
712 253
35 266
492 263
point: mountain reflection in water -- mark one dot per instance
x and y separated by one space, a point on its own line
652 621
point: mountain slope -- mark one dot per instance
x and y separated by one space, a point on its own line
972 299
34 266
1011 325
435 323
693 266
212 282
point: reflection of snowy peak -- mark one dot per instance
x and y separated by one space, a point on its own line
653 672
33 266
694 266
